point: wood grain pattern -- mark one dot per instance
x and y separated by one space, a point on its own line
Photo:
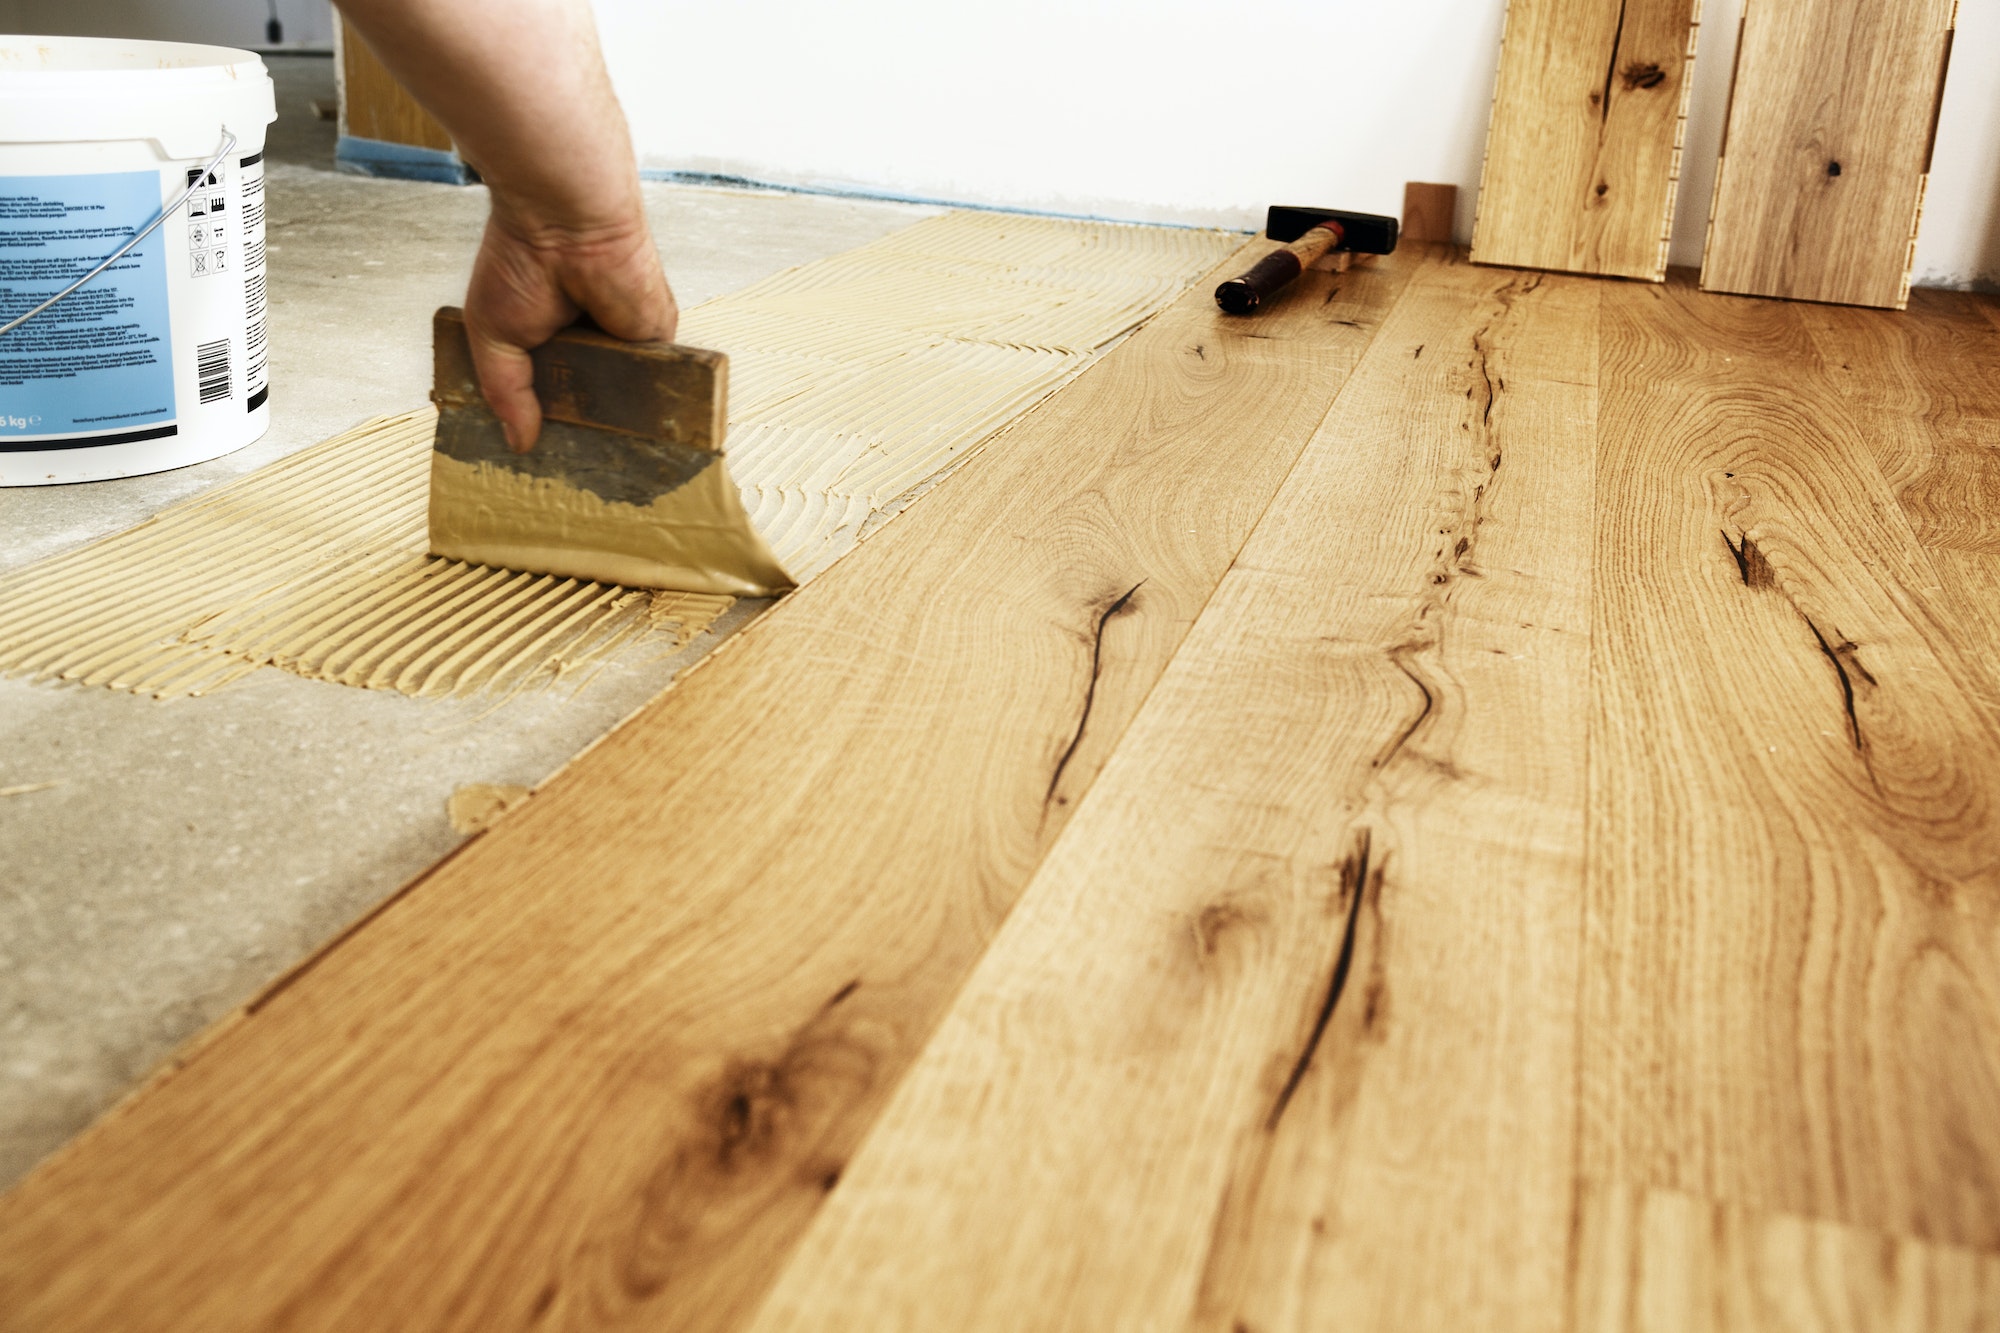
1923 389
1281 1035
601 1067
1827 149
374 106
1955 502
1795 804
1927 387
1584 142
1554 884
1968 582
1658 1261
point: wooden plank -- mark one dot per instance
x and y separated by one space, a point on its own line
602 1065
374 106
1658 1261
1280 1036
1795 805
1928 385
1583 147
1969 590
1924 387
1827 149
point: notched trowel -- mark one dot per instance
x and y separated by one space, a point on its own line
626 484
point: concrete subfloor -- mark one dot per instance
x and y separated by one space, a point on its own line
195 849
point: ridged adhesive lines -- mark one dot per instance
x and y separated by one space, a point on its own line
855 381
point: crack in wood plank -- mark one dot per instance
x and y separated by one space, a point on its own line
1104 618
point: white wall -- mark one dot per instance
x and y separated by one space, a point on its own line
1155 110
308 23
1173 110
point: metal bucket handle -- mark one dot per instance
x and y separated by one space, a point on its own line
228 142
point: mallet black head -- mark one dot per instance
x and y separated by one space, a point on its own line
1366 233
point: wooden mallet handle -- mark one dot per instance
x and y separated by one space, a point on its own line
1276 271
1307 234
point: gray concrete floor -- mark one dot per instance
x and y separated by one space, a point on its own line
196 849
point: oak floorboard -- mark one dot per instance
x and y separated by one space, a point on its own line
1955 502
1969 591
599 1068
1281 1034
1659 1261
1826 149
1584 147
1925 391
1928 387
1793 934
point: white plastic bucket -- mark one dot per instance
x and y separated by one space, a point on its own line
159 361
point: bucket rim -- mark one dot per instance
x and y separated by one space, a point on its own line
24 59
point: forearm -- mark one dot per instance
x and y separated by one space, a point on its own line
521 87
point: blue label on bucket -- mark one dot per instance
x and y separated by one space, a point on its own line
101 359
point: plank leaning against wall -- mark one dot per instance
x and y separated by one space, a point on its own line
383 130
1584 147
1827 151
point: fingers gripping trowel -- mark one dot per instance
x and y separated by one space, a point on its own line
626 484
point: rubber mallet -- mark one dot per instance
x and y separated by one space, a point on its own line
1308 233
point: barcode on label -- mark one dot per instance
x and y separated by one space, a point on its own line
211 369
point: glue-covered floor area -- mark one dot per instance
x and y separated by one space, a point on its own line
161 861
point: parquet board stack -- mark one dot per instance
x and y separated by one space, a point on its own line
1827 150
1584 144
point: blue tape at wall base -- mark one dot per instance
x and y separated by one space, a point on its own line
374 157
720 180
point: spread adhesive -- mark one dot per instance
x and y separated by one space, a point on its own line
694 537
856 382
157 361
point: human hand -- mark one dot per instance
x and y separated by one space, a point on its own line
531 280
522 87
